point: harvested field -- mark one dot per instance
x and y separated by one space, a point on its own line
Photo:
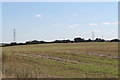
61 60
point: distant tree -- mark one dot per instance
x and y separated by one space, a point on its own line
33 42
57 41
61 41
21 44
42 42
3 45
13 43
99 40
89 40
115 40
72 41
66 41
79 40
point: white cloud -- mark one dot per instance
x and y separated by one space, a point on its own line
93 24
39 15
110 23
115 23
56 24
106 23
73 26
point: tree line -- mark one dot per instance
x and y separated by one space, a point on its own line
76 40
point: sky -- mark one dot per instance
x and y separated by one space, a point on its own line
49 21
60 0
0 22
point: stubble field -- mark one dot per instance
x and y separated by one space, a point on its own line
61 60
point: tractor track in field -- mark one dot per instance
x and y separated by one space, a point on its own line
49 58
103 55
57 59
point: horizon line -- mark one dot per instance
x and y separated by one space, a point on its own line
56 39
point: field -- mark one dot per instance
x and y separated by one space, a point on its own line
61 60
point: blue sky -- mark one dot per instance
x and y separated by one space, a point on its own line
60 0
1 22
59 20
